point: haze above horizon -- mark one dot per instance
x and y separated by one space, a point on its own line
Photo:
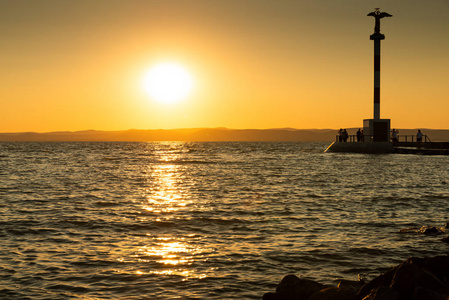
78 65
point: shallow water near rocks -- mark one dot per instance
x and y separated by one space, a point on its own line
178 220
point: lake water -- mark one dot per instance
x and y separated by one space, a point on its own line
180 220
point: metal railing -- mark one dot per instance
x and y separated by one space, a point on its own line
353 138
412 138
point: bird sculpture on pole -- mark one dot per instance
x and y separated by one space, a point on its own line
378 15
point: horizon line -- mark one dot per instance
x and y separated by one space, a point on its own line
201 128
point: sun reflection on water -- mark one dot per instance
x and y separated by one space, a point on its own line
166 253
174 256
165 195
170 253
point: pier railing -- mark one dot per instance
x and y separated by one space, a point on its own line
412 138
353 138
368 138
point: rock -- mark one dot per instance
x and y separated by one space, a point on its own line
425 230
382 293
438 265
414 279
422 293
418 273
270 296
351 284
408 277
381 280
334 293
409 230
294 288
404 280
430 230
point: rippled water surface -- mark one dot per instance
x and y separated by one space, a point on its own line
206 220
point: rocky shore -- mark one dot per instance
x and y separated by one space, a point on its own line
413 279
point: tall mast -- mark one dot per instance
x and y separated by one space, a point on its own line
377 37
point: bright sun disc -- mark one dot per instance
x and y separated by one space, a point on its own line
168 82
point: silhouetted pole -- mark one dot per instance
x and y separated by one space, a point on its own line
377 37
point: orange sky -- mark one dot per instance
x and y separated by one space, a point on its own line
78 65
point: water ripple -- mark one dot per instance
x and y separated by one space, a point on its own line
206 220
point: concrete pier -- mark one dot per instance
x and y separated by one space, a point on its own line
425 148
361 147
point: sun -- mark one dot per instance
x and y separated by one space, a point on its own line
168 82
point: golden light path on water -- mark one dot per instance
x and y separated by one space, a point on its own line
207 220
174 254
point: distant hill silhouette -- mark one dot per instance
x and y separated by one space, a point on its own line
204 134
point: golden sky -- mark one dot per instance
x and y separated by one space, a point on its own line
78 65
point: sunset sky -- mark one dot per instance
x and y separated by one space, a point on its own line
68 65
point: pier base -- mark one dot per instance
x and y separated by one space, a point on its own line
378 147
376 130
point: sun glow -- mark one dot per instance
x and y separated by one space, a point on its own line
168 82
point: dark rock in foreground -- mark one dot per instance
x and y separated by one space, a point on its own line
292 287
414 279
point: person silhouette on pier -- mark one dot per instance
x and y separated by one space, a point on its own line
359 135
419 136
394 136
345 136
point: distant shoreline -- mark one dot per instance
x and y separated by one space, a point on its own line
201 135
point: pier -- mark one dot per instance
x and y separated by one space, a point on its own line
377 136
406 144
